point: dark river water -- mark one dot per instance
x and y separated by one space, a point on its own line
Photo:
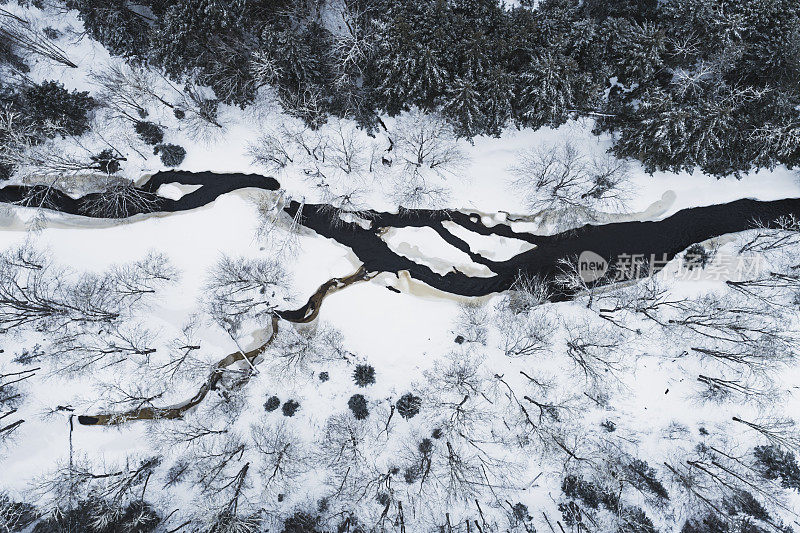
662 239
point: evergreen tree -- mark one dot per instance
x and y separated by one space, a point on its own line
121 29
774 463
50 103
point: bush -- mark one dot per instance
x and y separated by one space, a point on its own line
697 256
290 408
411 474
364 375
323 377
408 405
172 155
107 161
150 132
301 522
425 447
50 102
272 403
358 405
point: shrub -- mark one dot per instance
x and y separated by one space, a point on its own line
179 113
425 447
364 375
107 161
358 405
150 132
301 522
408 405
697 256
323 377
272 403
609 426
172 155
635 521
520 512
290 408
50 102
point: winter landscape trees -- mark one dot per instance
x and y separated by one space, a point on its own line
216 384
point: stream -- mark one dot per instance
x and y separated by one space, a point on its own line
662 239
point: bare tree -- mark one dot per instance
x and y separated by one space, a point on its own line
244 289
425 144
562 178
120 198
523 335
128 89
283 459
472 321
22 34
594 349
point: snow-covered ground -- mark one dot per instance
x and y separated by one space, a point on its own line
650 392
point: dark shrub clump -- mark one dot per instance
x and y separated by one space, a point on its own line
358 405
172 155
107 161
272 403
364 375
697 257
408 405
150 132
323 377
290 408
301 522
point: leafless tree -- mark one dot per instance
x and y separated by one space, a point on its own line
282 454
781 432
128 89
79 350
426 146
11 396
272 151
783 232
526 293
120 198
571 279
562 178
472 322
295 349
21 33
242 289
594 349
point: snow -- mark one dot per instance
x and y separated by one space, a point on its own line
401 334
425 246
494 247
